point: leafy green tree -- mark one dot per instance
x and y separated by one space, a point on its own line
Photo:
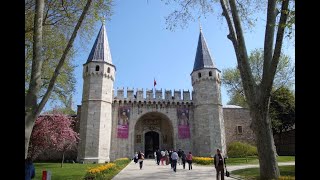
279 19
285 77
51 29
238 99
282 110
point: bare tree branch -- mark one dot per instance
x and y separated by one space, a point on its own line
278 46
269 37
242 57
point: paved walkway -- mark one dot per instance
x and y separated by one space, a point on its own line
152 171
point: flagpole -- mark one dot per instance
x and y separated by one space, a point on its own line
154 90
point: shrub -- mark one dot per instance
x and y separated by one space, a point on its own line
98 172
106 171
239 149
202 160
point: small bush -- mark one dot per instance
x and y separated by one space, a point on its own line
202 160
98 172
239 149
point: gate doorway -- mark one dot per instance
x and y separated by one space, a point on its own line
151 143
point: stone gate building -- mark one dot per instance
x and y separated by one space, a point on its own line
113 125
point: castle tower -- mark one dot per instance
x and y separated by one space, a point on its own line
96 110
208 114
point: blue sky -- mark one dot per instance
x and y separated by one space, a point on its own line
142 49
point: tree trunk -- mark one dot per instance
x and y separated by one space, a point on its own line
62 158
35 80
32 109
265 142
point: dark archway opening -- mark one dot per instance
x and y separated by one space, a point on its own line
151 143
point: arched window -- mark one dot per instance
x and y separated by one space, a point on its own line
108 70
97 68
87 69
199 75
210 73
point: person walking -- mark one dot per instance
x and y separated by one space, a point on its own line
140 159
219 164
174 157
162 156
29 170
179 155
189 160
183 158
155 156
158 154
135 158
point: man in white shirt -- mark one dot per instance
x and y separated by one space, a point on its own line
174 157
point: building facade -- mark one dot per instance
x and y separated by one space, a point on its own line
113 125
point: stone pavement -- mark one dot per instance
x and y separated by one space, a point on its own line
152 171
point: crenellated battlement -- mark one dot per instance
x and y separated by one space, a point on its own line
154 95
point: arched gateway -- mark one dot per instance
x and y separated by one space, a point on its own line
115 124
153 130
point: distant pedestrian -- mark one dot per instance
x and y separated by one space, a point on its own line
219 164
189 160
170 159
167 157
158 154
174 157
162 156
183 158
135 158
140 159
179 155
29 170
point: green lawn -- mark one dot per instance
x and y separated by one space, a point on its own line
73 171
254 160
286 172
68 171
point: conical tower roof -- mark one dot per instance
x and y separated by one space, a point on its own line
203 58
101 50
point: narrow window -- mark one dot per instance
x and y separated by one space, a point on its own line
108 70
97 68
87 69
138 139
239 129
199 75
210 73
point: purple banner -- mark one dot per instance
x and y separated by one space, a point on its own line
184 131
123 131
123 121
183 123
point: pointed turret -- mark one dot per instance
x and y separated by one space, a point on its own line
208 114
203 58
100 50
96 110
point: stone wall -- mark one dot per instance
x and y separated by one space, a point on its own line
234 117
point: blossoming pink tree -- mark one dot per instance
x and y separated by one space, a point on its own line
52 131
